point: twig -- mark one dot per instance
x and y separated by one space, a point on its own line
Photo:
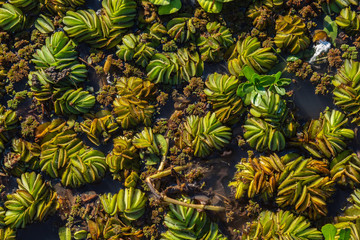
86 63
174 201
278 54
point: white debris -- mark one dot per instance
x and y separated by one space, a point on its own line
323 46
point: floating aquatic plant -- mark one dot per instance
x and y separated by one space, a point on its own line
24 154
123 158
337 5
221 93
74 102
187 223
181 29
305 185
101 125
56 153
59 52
256 82
8 122
128 202
173 68
291 34
134 86
259 176
348 20
212 6
281 225
25 4
153 146
203 134
11 18
345 169
33 201
64 155
214 42
133 48
87 166
104 30
270 122
7 234
350 218
60 7
111 228
260 13
44 24
326 136
249 52
167 6
347 89
131 111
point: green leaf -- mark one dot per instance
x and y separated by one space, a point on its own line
152 160
329 231
267 80
344 234
248 72
173 7
160 2
162 143
292 58
64 233
283 81
211 6
331 28
82 234
279 90
244 88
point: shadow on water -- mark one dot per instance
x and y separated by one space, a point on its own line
47 230
309 104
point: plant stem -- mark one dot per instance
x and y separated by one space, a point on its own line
163 160
191 205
